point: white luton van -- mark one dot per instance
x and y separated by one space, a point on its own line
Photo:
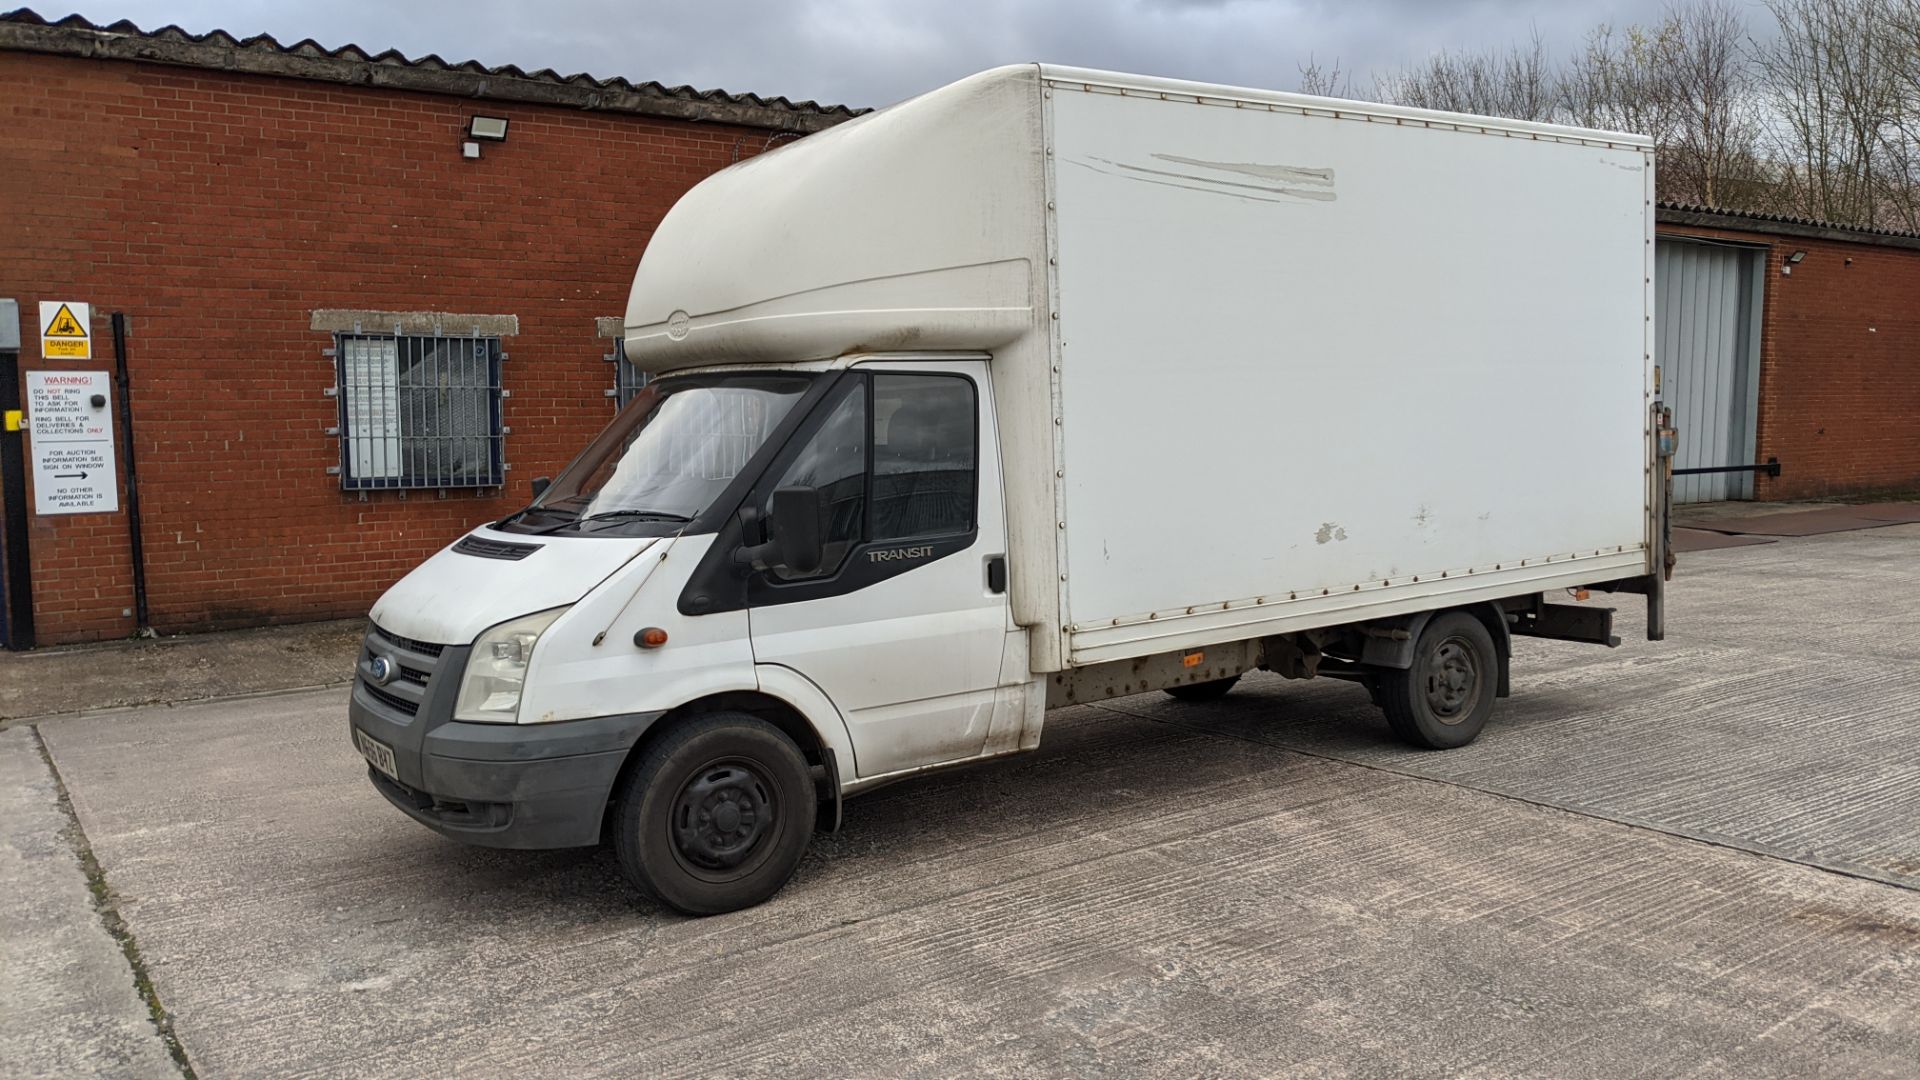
1046 386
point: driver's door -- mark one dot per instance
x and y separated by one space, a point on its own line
900 625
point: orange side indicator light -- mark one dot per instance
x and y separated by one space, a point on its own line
1193 659
651 638
1580 594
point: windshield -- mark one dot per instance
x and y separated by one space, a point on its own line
667 456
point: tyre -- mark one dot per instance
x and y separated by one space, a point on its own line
1204 691
715 815
1444 699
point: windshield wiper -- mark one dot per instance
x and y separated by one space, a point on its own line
526 510
615 515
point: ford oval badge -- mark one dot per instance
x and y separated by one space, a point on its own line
380 670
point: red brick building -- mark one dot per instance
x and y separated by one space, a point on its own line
244 203
348 341
1838 401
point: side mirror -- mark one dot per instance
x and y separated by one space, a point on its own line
796 528
541 484
787 536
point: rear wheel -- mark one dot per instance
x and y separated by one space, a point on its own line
1445 698
715 815
1212 690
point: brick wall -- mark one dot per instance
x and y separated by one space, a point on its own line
1839 366
218 211
1840 370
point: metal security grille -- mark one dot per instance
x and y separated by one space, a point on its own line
627 379
419 412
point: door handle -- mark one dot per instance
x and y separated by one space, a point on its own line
996 573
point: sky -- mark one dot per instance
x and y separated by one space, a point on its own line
874 52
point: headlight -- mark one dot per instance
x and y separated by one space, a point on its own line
490 690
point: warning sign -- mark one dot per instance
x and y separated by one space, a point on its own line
64 333
74 468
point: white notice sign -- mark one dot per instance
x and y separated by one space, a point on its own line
74 467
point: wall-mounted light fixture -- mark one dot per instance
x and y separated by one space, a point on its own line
489 128
1793 260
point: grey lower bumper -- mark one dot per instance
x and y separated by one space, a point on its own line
504 785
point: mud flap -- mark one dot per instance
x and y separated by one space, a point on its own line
827 814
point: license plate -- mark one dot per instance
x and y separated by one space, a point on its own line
377 753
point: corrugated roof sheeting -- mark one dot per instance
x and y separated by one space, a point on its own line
26 30
1783 224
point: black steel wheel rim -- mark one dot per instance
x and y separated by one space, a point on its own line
724 817
1453 680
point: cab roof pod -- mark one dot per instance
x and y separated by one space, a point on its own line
916 227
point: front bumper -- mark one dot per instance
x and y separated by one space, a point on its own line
496 785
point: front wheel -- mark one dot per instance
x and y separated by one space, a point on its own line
715 815
1444 699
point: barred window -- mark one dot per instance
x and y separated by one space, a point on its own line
419 411
627 379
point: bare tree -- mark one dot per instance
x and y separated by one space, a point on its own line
1617 82
1518 82
1686 83
1900 57
1835 106
1712 149
1328 81
1820 117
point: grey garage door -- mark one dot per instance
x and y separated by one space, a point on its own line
1707 318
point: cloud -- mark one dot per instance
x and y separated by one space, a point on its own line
873 52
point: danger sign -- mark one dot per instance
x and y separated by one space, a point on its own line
63 330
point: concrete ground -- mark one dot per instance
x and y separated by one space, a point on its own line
71 1004
169 670
1698 857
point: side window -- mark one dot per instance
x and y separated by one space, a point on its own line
924 458
834 462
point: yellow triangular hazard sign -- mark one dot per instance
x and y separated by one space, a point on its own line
65 325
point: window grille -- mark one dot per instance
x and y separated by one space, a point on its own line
627 379
419 411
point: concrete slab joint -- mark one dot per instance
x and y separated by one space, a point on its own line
433 323
73 1001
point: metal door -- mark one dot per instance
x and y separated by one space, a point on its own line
1707 322
907 637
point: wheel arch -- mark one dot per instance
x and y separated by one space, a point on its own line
1397 652
825 745
1495 620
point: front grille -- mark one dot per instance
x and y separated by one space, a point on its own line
424 648
495 549
413 666
391 701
